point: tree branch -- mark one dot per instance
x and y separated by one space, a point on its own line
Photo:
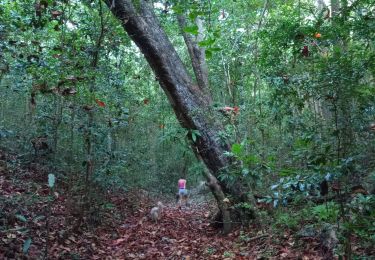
196 53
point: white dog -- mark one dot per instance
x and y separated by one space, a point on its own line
157 212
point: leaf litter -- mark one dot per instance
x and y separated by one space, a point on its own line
180 234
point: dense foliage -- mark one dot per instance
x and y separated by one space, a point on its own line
77 94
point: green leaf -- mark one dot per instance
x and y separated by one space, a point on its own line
286 172
177 9
51 180
365 91
26 245
217 33
21 217
237 149
196 132
191 29
215 49
193 15
206 43
109 206
252 158
208 54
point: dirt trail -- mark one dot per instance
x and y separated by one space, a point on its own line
181 234
119 234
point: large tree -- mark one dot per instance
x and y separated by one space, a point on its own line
192 104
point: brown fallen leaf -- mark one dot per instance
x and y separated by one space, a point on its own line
118 241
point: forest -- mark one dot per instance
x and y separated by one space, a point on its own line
187 129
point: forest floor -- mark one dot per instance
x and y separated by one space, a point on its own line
122 232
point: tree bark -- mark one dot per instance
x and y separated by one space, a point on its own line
190 103
219 195
197 54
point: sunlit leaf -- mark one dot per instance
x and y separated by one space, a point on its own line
237 149
21 217
26 246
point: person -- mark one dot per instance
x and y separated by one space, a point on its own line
182 195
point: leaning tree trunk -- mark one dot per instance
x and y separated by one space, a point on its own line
191 105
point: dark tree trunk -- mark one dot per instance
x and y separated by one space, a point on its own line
191 104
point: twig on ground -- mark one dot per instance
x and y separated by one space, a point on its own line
257 237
